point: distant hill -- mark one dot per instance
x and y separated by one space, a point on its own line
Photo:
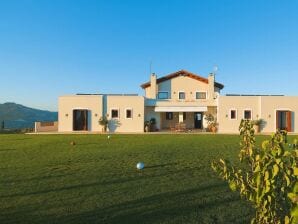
17 116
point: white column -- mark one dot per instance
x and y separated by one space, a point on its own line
180 117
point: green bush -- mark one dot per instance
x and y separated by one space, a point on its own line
268 177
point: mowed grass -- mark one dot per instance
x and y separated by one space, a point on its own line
44 179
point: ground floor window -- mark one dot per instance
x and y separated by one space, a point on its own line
169 115
184 116
114 113
233 114
247 114
284 120
128 113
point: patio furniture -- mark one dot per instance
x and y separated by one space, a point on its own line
180 127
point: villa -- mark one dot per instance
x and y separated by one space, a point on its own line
180 98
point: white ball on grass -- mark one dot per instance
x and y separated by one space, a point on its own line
109 136
140 166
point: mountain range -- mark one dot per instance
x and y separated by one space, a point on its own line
16 116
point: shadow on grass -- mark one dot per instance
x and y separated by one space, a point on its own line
168 207
7 150
160 165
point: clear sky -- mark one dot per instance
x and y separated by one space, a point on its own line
57 47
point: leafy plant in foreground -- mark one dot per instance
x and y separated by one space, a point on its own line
269 177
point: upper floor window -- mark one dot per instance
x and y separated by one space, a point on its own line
128 113
114 113
247 114
169 115
201 95
181 95
233 114
163 95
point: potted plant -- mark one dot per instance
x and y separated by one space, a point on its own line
257 125
104 122
153 124
147 126
211 124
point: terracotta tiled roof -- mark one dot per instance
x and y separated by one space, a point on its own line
184 73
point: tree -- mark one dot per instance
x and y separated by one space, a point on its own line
268 177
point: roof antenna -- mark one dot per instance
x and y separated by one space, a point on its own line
215 69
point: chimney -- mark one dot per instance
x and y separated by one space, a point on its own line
211 79
153 87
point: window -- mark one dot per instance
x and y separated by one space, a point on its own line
184 116
284 120
181 95
169 115
128 113
247 114
163 95
115 113
201 95
233 114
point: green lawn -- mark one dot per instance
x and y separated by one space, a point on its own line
44 179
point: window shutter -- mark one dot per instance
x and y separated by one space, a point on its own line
277 120
289 121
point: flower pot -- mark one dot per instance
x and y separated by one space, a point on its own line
146 128
213 129
257 128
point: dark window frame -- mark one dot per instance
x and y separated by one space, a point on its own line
233 116
250 114
163 98
126 110
199 98
112 115
181 92
169 116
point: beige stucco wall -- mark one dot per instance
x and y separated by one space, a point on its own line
239 103
123 124
66 105
184 84
272 103
263 107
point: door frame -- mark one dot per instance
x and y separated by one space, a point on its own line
86 125
195 120
289 121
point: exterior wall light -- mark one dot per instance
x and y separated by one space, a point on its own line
269 115
66 115
95 115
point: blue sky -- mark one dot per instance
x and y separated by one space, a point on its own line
57 47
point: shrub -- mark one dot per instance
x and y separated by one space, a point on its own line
103 121
269 177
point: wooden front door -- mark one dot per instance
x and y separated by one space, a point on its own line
284 120
80 120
